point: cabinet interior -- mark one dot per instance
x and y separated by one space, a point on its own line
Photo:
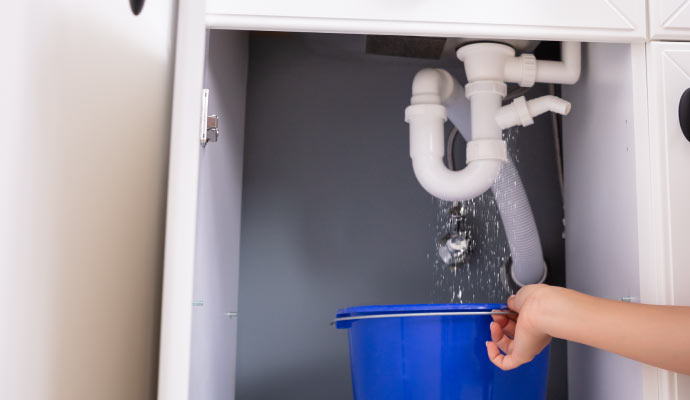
308 203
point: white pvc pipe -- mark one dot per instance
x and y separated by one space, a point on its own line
566 71
472 181
543 104
426 116
483 107
487 66
522 112
433 86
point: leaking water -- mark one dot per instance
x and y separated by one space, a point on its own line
478 279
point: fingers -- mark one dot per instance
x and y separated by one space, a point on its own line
505 363
500 319
511 302
500 339
503 317
509 328
506 321
512 316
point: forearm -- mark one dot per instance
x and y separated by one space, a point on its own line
655 335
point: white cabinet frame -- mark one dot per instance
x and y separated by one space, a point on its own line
667 270
584 20
669 19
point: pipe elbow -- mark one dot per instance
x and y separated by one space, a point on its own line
570 75
567 71
525 70
572 62
472 181
433 86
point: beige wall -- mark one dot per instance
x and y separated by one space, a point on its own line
84 126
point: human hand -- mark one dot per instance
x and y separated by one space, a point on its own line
519 337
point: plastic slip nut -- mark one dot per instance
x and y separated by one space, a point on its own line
529 70
520 107
487 149
494 87
427 110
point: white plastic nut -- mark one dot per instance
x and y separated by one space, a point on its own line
515 113
495 87
487 149
520 107
529 70
425 111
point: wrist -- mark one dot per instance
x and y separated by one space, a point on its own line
549 301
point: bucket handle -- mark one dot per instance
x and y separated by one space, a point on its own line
423 314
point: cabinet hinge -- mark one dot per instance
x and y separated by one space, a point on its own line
209 131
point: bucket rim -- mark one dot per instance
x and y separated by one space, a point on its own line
346 316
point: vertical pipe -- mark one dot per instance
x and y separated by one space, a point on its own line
483 107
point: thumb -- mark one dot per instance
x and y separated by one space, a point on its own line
516 301
513 303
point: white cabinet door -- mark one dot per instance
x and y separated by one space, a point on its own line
216 270
586 20
181 220
669 77
669 19
199 322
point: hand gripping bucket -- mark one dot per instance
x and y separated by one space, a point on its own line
432 351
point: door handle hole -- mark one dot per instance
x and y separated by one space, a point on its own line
136 6
684 113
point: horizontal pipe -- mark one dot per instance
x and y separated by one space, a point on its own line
566 71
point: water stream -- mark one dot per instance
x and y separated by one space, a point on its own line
478 280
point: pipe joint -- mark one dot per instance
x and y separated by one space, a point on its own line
432 111
522 70
432 86
487 149
491 87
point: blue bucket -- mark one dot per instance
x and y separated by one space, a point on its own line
433 351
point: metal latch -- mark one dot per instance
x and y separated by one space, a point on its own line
212 131
209 131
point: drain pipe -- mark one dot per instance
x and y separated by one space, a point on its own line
521 111
526 69
526 256
487 66
427 115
